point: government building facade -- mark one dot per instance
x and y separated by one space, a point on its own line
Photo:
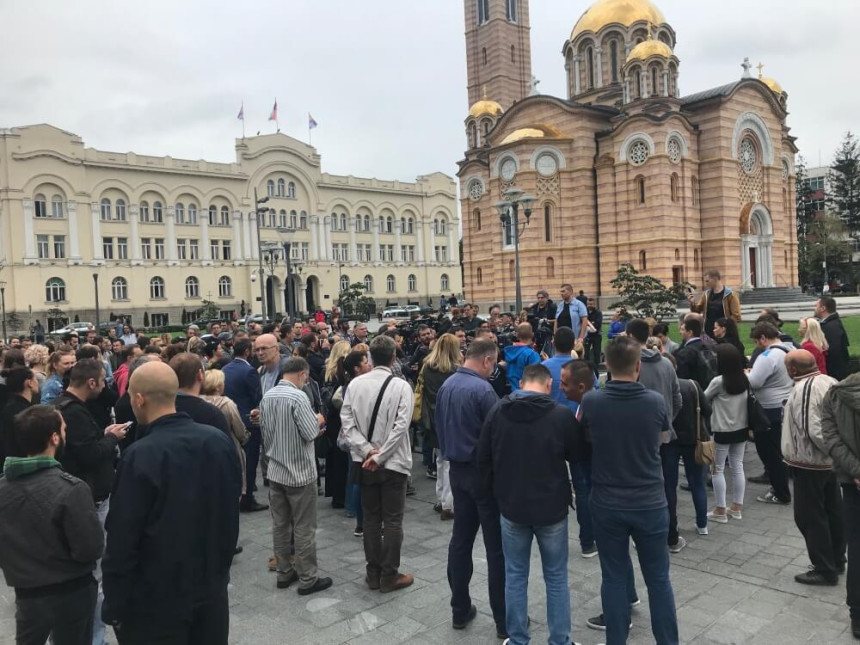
625 168
158 235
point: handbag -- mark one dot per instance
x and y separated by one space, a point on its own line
757 419
419 397
706 451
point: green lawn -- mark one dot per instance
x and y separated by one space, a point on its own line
852 327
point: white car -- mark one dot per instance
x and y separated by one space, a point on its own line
78 327
412 309
397 313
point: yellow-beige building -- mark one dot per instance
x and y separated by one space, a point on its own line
162 234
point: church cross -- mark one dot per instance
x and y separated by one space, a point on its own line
746 65
760 67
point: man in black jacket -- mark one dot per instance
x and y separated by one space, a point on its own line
189 373
174 524
23 389
837 339
525 444
51 536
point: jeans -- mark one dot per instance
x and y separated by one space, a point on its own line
426 450
383 497
252 458
98 625
476 508
735 454
580 472
294 526
649 530
669 453
208 624
443 483
851 515
553 547
768 448
66 617
352 501
818 517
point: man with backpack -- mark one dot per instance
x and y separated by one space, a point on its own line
695 360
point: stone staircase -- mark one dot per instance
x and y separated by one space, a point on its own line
769 296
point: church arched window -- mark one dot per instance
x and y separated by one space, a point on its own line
637 83
613 57
513 54
550 268
643 261
476 214
694 186
639 188
511 270
673 187
589 62
484 55
654 89
547 222
473 136
479 275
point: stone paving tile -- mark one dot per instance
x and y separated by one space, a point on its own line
733 586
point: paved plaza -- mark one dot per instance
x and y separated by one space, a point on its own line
733 586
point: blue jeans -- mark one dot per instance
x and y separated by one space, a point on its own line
669 453
352 499
517 545
427 451
581 474
649 529
252 459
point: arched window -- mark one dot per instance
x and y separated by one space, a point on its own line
157 212
639 187
511 10
410 226
637 83
225 287
390 284
270 188
654 89
303 220
273 218
213 215
511 270
484 55
282 219
694 186
344 283
643 261
291 190
156 288
366 227
785 202
368 283
334 221
225 216
55 290
57 207
143 211
443 282
282 188
389 224
589 62
192 213
443 224
343 221
487 124
120 210
403 225
381 224
695 258
673 187
613 58
119 289
483 11
42 206
179 211
547 222
473 136
479 276
513 54
476 215
192 287
412 282
550 268
677 254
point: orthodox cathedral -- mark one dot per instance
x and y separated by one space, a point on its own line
625 168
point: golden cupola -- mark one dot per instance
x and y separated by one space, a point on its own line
485 107
648 48
772 83
482 118
617 12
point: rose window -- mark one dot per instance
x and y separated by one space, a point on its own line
639 153
748 156
674 150
476 190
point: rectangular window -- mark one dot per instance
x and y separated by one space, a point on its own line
59 246
41 207
511 10
159 248
483 11
227 250
193 250
411 254
159 320
180 250
107 248
403 254
122 248
305 250
146 248
344 252
214 249
42 246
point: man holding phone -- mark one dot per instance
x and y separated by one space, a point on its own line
717 301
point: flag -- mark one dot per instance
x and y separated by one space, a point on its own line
274 115
241 115
311 122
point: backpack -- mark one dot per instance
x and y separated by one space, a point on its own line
706 369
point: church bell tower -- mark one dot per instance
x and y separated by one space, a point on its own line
498 50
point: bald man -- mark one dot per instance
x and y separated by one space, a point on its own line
817 499
173 527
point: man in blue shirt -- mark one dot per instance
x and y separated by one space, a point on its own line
628 499
462 405
570 312
563 344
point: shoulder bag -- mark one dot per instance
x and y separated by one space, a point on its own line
706 451
757 420
419 397
342 442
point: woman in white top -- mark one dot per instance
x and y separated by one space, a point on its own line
727 393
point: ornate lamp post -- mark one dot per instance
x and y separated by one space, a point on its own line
509 217
96 291
260 212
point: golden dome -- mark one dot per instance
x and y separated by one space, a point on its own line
772 83
623 12
485 106
537 131
648 48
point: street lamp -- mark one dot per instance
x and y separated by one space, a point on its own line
269 253
260 212
509 217
3 306
96 290
286 235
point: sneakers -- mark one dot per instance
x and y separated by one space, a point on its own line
359 531
813 577
402 581
680 544
446 515
468 618
735 515
431 474
590 552
719 518
599 623
321 584
410 490
770 498
287 580
702 530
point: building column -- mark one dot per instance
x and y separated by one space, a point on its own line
238 254
745 264
95 214
170 214
665 82
251 238
246 235
599 51
326 237
29 238
419 234
452 242
315 234
374 225
353 246
74 241
205 252
133 215
677 91
397 238
577 82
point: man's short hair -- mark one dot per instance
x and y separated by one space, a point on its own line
140 360
127 352
481 348
308 339
117 340
765 329
83 371
536 373
241 347
152 349
829 304
186 365
294 365
567 285
480 332
525 332
34 427
543 292
693 325
285 329
661 328
622 352
713 273
382 351
580 370
421 328
564 339
638 329
87 351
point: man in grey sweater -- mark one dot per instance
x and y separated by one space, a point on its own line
657 372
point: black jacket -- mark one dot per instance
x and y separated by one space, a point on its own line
595 317
48 528
202 412
8 441
837 351
173 523
525 443
685 422
90 454
317 364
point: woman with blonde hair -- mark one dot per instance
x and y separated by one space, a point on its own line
814 342
442 362
213 391
339 350
37 358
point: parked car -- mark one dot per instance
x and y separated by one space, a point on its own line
398 313
257 318
412 309
77 327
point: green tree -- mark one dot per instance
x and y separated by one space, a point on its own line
14 322
829 245
843 191
209 310
805 216
146 319
645 296
353 301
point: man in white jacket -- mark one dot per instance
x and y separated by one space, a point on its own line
817 508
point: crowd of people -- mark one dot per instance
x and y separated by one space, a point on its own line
128 459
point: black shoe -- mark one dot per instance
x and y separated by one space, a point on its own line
290 578
684 486
252 506
814 577
759 479
502 632
238 550
599 623
855 627
321 584
265 483
410 490
840 568
461 624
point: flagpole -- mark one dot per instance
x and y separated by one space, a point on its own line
243 120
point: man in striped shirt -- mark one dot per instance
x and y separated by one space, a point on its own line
289 427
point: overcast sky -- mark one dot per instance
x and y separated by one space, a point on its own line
385 79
